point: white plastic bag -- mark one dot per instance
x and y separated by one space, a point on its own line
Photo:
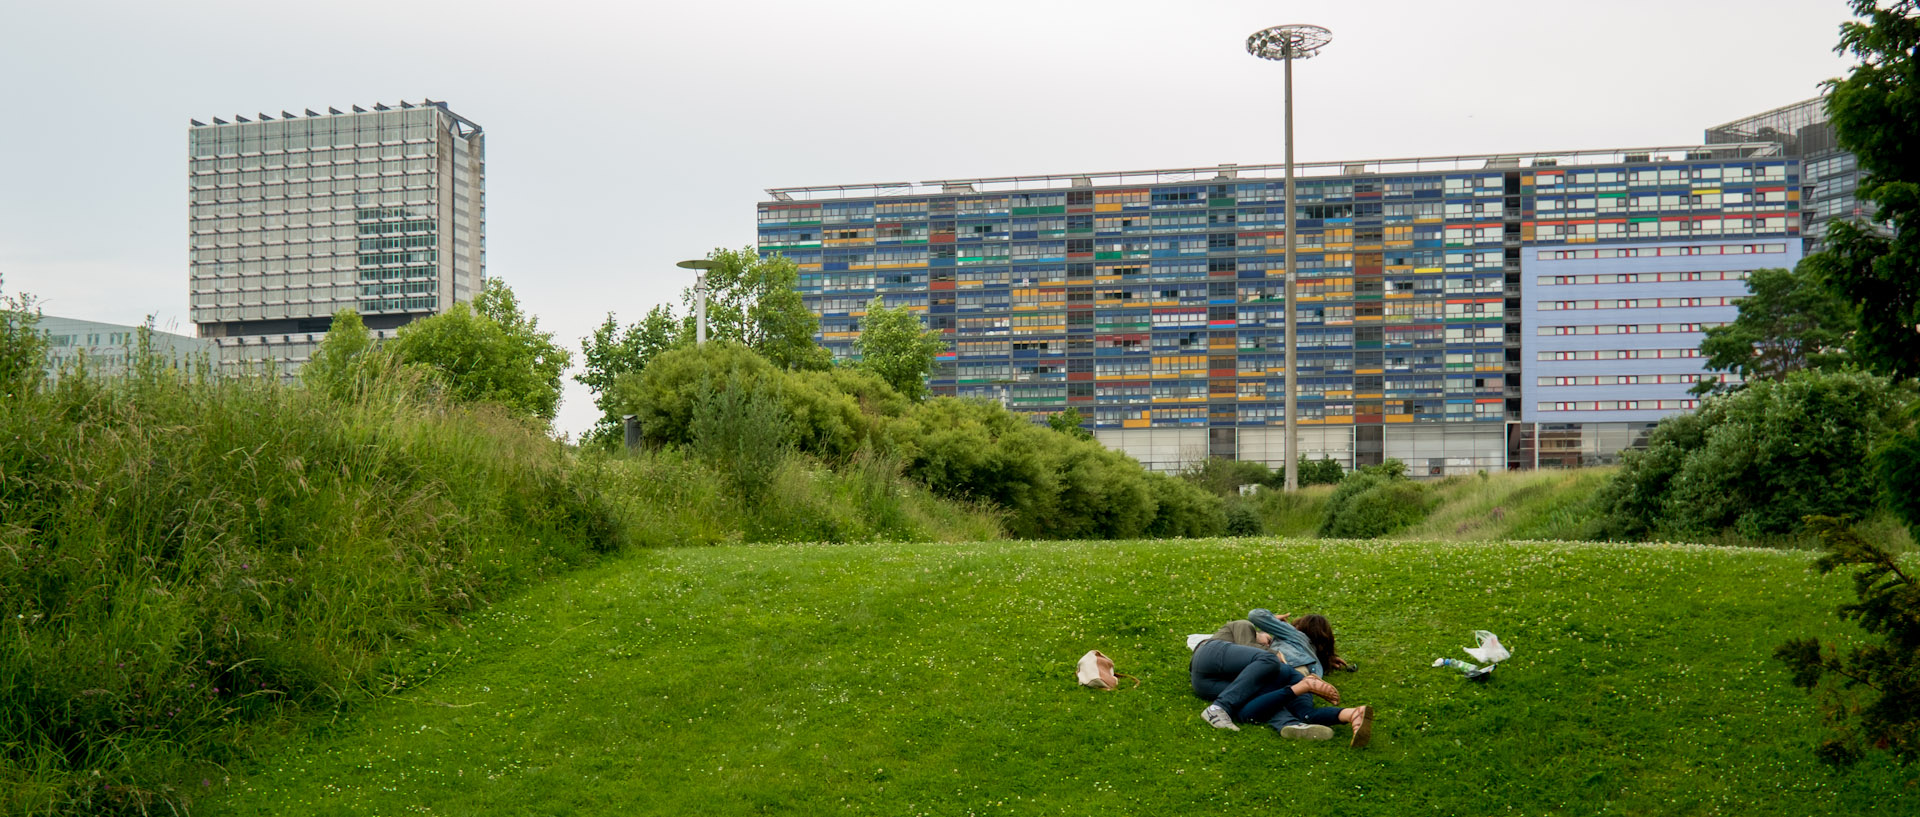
1490 651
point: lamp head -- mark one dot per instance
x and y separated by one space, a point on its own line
1289 42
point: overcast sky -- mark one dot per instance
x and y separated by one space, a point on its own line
622 137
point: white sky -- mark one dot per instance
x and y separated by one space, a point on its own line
625 136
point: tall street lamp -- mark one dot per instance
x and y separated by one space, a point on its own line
700 267
1286 44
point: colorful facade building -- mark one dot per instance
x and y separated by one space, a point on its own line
1457 314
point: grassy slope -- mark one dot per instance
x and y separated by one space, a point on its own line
937 679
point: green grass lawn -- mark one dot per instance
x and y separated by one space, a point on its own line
938 679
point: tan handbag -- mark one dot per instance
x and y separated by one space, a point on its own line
1096 671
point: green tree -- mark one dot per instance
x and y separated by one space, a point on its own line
345 361
23 347
831 413
754 301
894 345
1068 422
1875 113
489 352
612 351
1789 321
1870 693
1756 461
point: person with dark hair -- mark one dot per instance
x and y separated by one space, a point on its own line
1238 670
1303 644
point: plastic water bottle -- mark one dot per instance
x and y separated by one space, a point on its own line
1462 666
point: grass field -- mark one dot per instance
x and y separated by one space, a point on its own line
938 679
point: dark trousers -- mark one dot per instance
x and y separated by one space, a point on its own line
1281 707
1232 675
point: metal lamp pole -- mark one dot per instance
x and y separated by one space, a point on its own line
700 267
1286 44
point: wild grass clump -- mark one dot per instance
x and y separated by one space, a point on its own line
184 559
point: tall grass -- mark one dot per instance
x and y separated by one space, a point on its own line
1547 504
182 559
673 497
186 562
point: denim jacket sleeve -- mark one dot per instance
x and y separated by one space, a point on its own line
1290 643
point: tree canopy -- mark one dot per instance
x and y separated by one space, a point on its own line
1870 692
1789 322
489 352
1875 113
894 345
612 351
753 301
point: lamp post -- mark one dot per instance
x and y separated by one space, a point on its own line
1286 44
700 267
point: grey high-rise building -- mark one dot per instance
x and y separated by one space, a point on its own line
1830 189
296 217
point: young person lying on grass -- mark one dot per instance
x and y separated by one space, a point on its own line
1301 645
1236 669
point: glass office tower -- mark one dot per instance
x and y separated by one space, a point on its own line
294 218
1457 313
1832 178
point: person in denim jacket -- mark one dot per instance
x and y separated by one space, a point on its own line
1248 676
1301 646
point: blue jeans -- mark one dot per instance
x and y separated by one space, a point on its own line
1282 707
1232 675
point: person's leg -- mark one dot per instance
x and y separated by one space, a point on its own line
1362 719
1211 670
1260 672
1216 666
1266 707
1302 707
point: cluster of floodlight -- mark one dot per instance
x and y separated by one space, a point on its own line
1288 42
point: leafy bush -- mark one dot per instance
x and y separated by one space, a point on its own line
489 351
1756 461
1053 485
1319 472
1375 501
1182 509
1049 484
1242 519
1224 476
832 414
740 428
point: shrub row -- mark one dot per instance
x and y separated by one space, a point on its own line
1757 461
1050 484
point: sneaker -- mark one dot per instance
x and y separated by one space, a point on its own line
1306 731
1218 717
1362 726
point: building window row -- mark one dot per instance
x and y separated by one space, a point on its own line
1619 354
1643 277
1640 303
1619 405
1651 252
1628 328
1633 379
